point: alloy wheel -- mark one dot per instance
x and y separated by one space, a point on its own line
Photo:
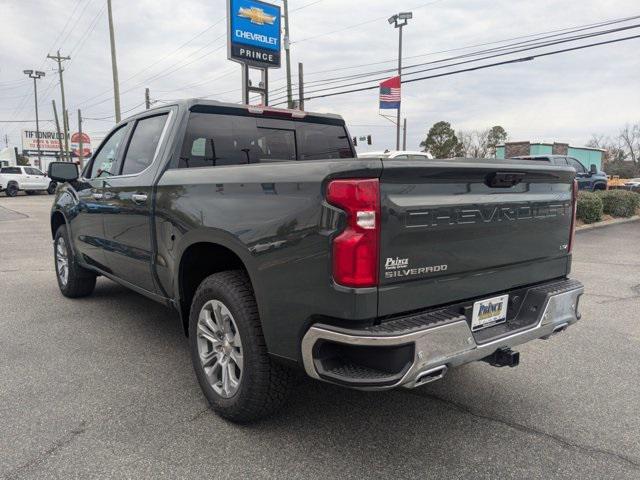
62 261
220 348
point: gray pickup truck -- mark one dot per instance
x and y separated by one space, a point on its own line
279 248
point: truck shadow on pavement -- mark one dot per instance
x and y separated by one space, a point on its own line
328 431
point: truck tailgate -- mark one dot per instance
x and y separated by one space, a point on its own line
454 230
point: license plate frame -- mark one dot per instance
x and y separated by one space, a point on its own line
489 312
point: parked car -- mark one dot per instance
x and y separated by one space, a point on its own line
29 179
398 155
633 184
279 249
588 179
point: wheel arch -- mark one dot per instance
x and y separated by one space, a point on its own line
57 219
197 261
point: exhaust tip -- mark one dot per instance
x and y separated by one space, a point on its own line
431 375
560 328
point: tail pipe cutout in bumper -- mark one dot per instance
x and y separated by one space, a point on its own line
418 349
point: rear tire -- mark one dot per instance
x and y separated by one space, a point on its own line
12 190
225 334
74 281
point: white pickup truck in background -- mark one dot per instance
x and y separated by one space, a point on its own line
29 179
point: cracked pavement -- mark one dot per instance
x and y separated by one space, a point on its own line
102 387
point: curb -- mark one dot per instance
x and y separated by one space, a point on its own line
615 221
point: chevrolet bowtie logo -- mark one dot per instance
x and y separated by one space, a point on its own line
257 16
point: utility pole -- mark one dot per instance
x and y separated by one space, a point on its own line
36 74
80 145
300 87
58 58
6 140
55 116
399 21
114 65
404 134
147 100
287 53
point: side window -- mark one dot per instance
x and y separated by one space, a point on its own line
577 165
11 171
104 163
143 144
319 142
30 171
418 157
401 157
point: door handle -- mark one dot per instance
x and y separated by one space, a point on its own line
97 196
139 198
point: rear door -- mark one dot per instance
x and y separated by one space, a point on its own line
456 230
127 205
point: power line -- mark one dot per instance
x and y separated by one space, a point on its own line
487 57
147 67
539 36
479 67
366 22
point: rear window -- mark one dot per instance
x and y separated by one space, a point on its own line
10 171
218 140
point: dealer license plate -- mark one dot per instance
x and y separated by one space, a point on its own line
489 312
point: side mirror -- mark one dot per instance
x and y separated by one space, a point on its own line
63 171
593 169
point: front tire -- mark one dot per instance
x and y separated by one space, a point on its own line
228 350
74 281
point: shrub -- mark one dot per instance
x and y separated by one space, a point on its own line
619 203
589 208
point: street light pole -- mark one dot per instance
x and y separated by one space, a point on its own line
399 21
287 53
35 74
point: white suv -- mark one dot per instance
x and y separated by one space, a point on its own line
29 179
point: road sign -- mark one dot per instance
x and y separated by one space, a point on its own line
254 33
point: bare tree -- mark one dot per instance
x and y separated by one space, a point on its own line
630 138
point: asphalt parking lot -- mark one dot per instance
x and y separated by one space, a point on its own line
103 387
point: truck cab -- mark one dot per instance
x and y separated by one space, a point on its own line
588 178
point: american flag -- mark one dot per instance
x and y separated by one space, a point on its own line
390 93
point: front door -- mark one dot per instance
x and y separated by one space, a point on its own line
127 211
86 219
582 174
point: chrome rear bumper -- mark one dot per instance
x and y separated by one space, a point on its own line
439 347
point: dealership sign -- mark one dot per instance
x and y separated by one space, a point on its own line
49 142
254 33
75 145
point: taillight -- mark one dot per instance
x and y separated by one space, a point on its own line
355 250
574 206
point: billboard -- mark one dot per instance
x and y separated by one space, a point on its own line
254 33
49 143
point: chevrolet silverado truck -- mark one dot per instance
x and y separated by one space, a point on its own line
280 249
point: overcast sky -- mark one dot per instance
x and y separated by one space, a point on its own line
561 98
